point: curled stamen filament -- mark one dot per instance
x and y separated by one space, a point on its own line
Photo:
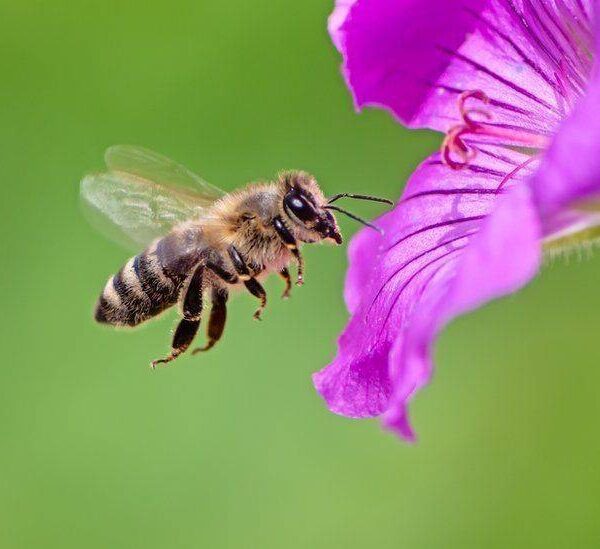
454 144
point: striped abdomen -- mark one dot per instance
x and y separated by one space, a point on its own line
143 288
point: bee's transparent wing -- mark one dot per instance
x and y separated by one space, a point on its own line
155 167
142 196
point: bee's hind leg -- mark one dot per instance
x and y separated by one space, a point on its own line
183 337
188 326
216 322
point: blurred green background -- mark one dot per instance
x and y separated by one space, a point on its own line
234 448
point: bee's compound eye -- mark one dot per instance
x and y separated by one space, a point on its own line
300 207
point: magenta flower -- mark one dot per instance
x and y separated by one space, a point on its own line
512 85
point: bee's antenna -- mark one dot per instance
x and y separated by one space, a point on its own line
355 217
359 197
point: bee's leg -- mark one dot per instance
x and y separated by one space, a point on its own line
184 335
192 299
252 285
257 290
222 273
188 327
291 244
216 322
285 274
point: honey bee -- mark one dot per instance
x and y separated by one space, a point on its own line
200 241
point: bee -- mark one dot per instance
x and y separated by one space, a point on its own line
200 242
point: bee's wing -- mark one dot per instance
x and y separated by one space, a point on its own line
142 196
155 167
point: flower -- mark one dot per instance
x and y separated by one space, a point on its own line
512 85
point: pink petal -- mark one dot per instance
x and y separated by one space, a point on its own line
336 20
414 57
436 260
501 258
570 170
363 254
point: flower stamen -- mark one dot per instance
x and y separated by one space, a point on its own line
455 146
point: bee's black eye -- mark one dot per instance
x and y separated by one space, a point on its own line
300 206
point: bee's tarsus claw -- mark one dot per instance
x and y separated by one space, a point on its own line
165 360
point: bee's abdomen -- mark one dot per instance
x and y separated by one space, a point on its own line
139 291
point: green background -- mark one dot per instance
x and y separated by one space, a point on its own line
234 448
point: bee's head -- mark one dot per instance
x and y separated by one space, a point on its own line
305 206
310 211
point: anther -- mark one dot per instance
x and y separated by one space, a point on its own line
453 144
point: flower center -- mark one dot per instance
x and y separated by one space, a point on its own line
457 154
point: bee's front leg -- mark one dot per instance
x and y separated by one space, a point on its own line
291 244
285 274
252 285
